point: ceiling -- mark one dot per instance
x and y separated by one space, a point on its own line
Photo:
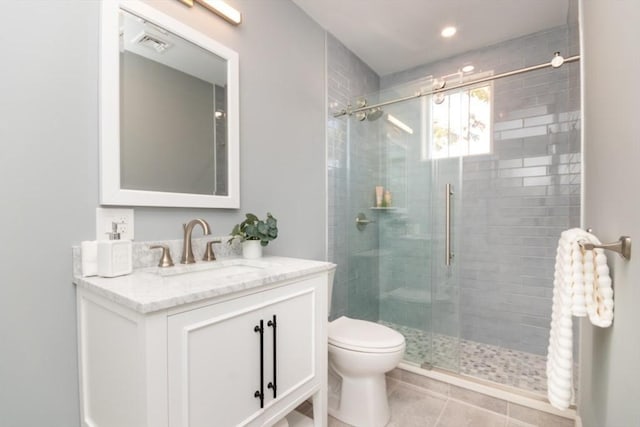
395 35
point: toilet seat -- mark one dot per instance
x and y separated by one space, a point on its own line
363 336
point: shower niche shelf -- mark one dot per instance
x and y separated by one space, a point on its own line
390 210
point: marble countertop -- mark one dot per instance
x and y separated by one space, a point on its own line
152 288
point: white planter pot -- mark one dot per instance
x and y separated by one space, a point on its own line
251 249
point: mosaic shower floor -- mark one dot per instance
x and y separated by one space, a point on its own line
489 362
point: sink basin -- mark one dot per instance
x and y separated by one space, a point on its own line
215 269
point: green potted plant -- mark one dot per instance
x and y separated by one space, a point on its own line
254 233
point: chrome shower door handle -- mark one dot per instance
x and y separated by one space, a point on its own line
448 256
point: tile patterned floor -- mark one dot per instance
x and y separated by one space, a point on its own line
413 406
501 365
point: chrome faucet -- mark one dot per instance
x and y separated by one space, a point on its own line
187 249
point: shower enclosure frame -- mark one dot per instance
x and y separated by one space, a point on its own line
376 107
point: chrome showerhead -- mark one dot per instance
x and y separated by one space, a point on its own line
374 114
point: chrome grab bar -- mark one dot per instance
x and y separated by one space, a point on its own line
448 255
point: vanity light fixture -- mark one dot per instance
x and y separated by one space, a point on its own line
220 8
399 124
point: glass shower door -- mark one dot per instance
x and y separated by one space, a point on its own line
446 203
419 293
398 274
405 230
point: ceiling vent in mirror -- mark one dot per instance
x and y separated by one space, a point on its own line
151 41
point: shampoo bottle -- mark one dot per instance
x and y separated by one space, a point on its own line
379 194
386 201
114 255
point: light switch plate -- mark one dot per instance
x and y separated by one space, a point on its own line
106 216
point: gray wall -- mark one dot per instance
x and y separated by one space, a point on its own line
282 137
49 174
610 376
49 181
166 128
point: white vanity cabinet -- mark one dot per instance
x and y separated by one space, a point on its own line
203 362
222 356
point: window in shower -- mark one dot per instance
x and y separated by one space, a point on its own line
461 123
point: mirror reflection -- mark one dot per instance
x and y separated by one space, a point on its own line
173 112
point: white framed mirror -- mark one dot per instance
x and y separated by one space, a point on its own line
169 112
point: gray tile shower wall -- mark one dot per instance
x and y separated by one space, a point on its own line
517 199
353 157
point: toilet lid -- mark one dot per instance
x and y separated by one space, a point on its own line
361 335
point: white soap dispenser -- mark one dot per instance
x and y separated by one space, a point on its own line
114 255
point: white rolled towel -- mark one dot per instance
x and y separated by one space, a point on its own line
581 287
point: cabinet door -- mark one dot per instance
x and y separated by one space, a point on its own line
214 356
295 312
214 364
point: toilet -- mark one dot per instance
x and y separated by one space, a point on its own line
360 353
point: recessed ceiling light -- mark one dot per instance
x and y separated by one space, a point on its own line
468 68
448 31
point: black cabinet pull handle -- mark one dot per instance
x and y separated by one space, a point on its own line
274 385
260 393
